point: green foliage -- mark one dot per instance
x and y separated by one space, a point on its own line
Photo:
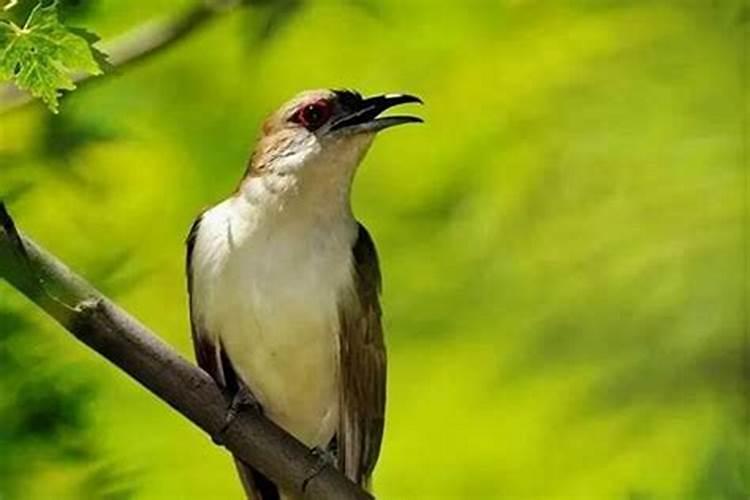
43 411
46 417
42 55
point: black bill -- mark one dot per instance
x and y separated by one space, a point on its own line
361 115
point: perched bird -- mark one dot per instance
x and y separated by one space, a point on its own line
284 284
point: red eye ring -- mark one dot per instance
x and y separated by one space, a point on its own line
312 116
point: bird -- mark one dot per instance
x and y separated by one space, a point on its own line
284 284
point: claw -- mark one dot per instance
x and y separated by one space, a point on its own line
324 458
243 399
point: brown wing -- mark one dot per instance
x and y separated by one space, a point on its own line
214 361
363 368
208 355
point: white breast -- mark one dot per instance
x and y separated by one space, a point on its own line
268 288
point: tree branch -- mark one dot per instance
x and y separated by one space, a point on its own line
136 45
110 331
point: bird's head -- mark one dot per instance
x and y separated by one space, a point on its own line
323 130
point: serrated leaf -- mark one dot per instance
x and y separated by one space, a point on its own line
41 56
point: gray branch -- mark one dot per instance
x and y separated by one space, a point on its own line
113 333
136 45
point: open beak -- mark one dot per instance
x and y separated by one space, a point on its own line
363 115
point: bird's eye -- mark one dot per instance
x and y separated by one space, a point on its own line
312 116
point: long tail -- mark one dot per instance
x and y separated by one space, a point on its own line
257 486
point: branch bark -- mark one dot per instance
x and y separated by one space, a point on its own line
110 331
136 45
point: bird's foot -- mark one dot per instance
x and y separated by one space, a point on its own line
243 399
323 458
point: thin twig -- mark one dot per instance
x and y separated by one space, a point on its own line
136 45
111 332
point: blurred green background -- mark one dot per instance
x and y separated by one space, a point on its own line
562 243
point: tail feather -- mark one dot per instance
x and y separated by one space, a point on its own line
257 486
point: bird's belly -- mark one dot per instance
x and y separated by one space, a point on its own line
290 364
280 332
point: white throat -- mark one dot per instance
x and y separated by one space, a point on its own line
315 186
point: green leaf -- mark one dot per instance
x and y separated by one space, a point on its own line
41 56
